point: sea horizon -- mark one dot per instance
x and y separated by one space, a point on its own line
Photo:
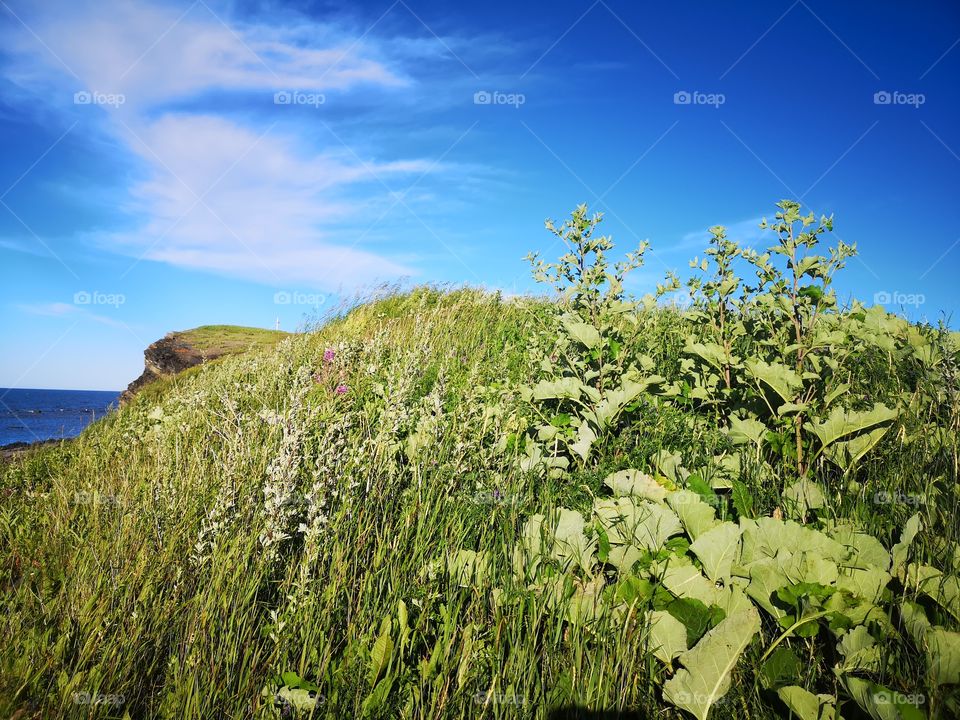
31 415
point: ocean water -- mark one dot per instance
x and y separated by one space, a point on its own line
32 415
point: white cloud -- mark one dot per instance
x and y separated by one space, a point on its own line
154 53
745 232
66 310
224 192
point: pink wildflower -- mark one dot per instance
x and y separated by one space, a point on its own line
329 355
341 389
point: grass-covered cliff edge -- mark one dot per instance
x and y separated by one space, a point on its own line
451 504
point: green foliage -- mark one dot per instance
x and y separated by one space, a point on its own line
244 541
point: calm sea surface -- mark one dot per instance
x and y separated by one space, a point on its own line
31 415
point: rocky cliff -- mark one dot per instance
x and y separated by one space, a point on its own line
178 351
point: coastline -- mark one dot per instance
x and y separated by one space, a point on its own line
15 450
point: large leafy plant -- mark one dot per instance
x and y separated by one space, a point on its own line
587 379
706 590
770 357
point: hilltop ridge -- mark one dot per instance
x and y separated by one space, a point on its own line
180 350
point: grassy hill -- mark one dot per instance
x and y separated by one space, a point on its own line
230 339
449 504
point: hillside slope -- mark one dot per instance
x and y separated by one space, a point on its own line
184 349
356 522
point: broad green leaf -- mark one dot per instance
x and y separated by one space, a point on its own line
584 442
380 655
945 589
746 430
943 656
801 497
765 537
880 702
586 604
640 524
712 353
705 676
717 549
669 465
686 581
614 401
298 698
865 550
860 651
781 379
766 577
697 517
668 636
847 453
842 423
635 483
781 667
582 332
866 583
377 698
807 706
696 616
571 545
467 567
565 387
901 550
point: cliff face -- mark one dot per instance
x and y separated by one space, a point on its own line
181 350
168 356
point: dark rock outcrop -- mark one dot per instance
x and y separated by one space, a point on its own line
168 356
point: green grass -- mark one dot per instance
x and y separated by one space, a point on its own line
245 520
230 339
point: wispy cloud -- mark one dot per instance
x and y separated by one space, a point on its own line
246 187
746 232
66 310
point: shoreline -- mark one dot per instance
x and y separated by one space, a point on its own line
14 450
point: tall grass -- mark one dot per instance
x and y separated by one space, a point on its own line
271 513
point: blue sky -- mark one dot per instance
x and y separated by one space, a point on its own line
172 164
